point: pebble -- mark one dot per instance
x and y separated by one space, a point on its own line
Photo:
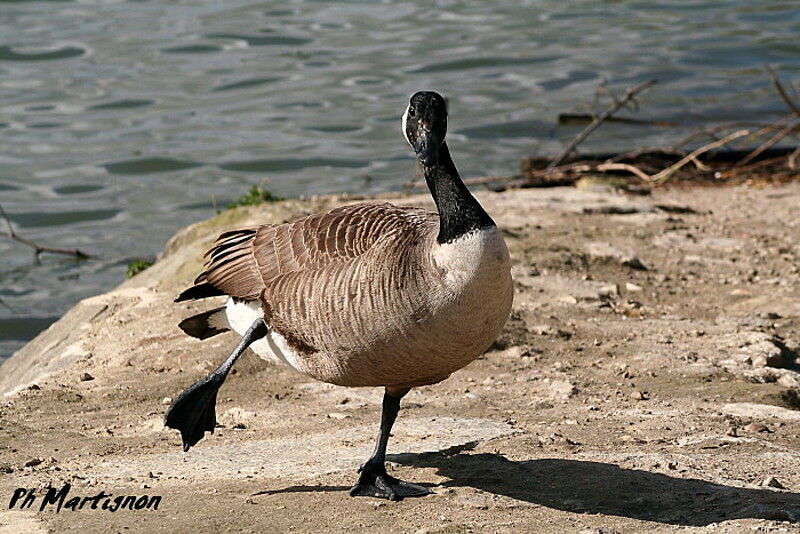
635 263
561 389
166 400
478 502
33 462
789 380
640 395
772 482
85 377
756 427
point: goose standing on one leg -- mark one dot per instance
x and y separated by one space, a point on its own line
369 294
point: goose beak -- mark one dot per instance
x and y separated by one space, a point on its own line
427 147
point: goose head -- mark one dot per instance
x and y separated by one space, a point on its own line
425 125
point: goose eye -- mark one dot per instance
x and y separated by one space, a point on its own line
412 112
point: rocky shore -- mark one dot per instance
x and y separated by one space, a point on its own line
647 381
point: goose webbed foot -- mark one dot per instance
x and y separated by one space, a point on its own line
374 481
194 412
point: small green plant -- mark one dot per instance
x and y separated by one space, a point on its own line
255 196
137 266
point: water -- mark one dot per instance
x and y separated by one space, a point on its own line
120 122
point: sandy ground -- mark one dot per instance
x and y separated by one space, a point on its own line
646 382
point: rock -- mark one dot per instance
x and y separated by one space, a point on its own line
760 411
85 377
601 250
790 379
756 427
764 375
542 330
560 389
632 288
671 207
743 321
33 462
166 400
61 342
635 263
614 209
757 349
772 482
477 501
640 395
555 287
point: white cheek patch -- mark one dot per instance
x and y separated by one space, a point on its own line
405 120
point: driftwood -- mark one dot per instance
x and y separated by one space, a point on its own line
37 248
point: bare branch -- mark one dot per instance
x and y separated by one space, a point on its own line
768 144
38 249
666 173
792 161
633 169
627 97
711 132
782 91
737 171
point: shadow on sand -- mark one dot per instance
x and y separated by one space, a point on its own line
599 488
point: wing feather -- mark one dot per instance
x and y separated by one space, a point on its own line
243 263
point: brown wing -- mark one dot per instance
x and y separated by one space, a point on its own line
242 263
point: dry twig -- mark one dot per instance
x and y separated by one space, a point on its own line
782 91
666 173
792 161
37 248
768 144
629 96
711 132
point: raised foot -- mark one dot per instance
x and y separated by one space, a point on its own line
384 486
193 411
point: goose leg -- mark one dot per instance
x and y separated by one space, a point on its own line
193 411
374 481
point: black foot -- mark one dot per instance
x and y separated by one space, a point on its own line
377 483
193 411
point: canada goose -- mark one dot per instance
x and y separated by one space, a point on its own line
369 294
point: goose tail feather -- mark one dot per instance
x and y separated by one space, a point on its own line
207 324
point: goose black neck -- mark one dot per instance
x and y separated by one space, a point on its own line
459 212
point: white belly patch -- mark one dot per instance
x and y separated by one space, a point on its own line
272 347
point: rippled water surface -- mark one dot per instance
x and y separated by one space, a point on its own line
122 121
